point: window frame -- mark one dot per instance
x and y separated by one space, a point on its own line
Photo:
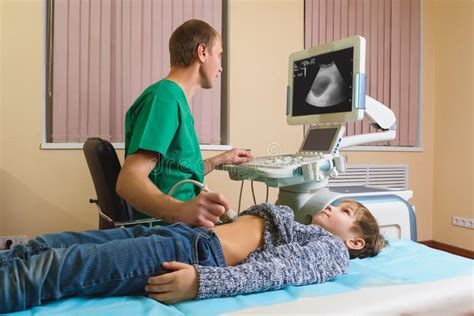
47 73
389 148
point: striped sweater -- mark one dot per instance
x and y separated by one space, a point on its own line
292 254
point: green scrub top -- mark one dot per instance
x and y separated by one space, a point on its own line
160 121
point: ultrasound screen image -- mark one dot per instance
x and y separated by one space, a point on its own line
323 84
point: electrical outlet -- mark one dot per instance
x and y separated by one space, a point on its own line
463 222
6 242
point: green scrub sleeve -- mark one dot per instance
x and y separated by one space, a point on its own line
155 126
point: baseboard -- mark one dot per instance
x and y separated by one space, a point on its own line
448 248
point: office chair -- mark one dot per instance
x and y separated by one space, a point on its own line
104 167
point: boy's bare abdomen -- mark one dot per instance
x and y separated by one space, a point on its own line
240 238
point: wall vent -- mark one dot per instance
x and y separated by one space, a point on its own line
381 176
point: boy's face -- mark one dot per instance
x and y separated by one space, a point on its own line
337 220
211 67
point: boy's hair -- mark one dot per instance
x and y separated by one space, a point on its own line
186 38
367 228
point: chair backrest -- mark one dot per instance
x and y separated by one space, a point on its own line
104 167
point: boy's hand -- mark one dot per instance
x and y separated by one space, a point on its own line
179 285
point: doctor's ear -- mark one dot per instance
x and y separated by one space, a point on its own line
202 52
356 243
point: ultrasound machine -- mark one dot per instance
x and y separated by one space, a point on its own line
326 89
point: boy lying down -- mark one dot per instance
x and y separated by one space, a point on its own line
264 249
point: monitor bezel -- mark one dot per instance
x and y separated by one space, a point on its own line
358 44
335 142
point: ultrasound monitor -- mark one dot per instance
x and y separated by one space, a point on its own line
323 139
326 83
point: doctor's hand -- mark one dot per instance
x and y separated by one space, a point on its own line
235 156
180 284
204 210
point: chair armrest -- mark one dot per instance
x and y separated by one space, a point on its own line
148 221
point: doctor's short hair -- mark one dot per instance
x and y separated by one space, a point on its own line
186 38
366 227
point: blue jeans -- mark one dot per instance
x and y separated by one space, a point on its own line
103 262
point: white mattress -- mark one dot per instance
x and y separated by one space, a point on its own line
453 296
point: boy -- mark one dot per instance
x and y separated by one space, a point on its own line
264 249
161 146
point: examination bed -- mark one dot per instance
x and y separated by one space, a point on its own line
406 277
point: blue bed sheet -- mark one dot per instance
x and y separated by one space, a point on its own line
403 262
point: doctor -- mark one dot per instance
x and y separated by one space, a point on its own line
161 146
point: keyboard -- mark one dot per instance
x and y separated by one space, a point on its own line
282 170
282 161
